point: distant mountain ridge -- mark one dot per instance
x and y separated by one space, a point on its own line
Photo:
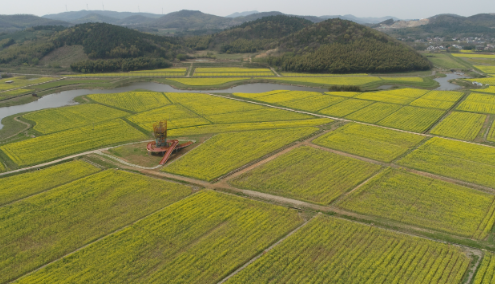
242 14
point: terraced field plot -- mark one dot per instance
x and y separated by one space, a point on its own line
374 112
13 93
232 71
236 127
369 141
292 74
331 250
19 186
228 151
313 104
425 202
207 81
477 102
177 116
412 118
132 101
58 119
345 108
438 99
200 239
399 96
329 80
455 159
485 273
258 115
65 143
307 174
460 125
44 227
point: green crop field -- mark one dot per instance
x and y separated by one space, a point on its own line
58 119
232 71
64 143
455 159
412 118
477 102
228 151
332 250
307 174
374 112
399 96
235 127
345 108
2 167
19 82
47 226
200 239
172 72
132 101
460 125
445 61
20 186
403 79
486 271
329 80
426 202
369 141
13 93
206 81
177 116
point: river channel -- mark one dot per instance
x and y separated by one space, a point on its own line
67 97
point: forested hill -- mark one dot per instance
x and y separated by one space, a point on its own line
341 46
108 41
99 41
251 36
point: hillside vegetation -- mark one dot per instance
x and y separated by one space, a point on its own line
340 46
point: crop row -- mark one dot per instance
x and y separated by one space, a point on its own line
486 272
460 125
64 143
58 119
331 250
200 239
47 226
422 201
307 174
132 101
228 151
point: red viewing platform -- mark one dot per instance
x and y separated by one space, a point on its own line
172 145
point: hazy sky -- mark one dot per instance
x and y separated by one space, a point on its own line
405 9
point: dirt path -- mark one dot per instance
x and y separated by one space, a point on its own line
25 123
275 72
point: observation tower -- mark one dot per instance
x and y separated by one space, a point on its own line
161 145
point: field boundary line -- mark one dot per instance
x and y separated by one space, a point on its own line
266 250
100 238
98 152
357 187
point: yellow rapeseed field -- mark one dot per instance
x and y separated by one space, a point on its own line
329 80
63 118
460 125
65 143
369 141
410 118
177 116
332 250
66 218
206 81
200 239
132 101
486 272
477 102
307 174
228 151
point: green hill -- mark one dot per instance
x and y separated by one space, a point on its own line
341 46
